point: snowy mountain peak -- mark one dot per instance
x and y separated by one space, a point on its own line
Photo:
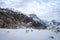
37 19
34 17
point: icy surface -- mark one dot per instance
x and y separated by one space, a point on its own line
28 34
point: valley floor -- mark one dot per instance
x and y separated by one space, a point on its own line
28 34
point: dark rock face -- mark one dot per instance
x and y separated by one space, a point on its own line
11 19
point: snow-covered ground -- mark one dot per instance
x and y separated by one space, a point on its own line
28 34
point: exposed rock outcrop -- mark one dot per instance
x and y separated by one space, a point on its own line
13 19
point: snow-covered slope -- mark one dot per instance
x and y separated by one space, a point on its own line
28 34
34 16
55 22
37 19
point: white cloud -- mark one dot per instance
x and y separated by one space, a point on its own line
11 3
43 8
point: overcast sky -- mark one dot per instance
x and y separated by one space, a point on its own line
44 9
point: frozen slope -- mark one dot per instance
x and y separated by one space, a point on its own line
28 34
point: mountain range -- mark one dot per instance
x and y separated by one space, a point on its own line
13 19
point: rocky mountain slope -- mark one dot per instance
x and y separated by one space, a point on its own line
13 19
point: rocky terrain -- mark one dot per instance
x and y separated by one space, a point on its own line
13 19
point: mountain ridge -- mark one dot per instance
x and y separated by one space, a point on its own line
13 19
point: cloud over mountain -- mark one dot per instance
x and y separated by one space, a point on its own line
45 9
